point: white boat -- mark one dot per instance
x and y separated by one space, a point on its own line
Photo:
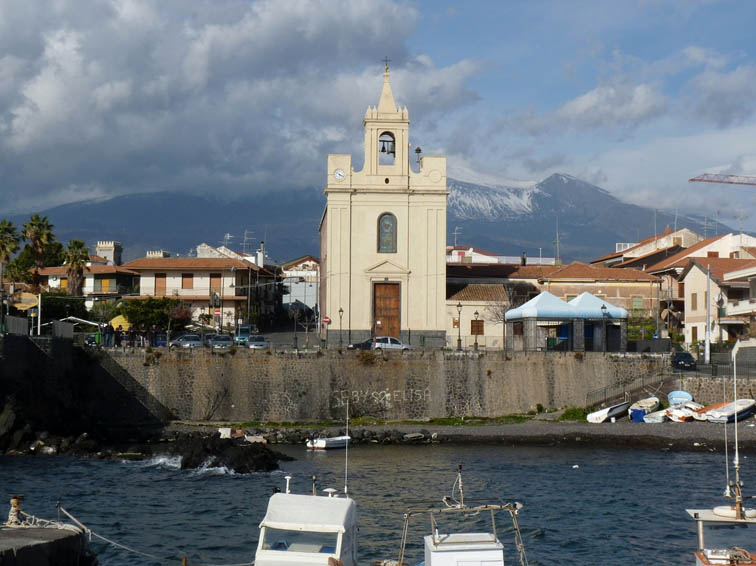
608 413
308 530
446 548
727 413
703 414
327 443
727 533
679 397
685 412
641 408
656 417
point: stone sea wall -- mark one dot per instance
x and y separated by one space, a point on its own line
278 386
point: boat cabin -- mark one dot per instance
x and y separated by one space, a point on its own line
723 539
470 549
307 530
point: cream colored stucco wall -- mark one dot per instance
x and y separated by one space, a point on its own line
695 282
349 232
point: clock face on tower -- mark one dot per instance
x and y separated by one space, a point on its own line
339 174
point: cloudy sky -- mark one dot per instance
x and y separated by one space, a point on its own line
106 97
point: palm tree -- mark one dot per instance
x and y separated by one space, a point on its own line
77 256
39 233
8 246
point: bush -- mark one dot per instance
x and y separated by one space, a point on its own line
574 414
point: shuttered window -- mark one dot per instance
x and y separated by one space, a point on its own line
187 281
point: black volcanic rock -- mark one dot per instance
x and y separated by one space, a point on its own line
197 450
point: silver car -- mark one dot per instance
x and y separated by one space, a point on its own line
390 343
222 342
187 341
257 342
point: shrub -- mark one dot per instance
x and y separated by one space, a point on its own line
574 414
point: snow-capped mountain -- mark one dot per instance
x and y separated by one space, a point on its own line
505 217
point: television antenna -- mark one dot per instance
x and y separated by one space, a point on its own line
457 231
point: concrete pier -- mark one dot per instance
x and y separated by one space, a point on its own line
35 546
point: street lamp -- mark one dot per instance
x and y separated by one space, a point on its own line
476 314
603 318
341 315
459 326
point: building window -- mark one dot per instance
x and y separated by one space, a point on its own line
568 298
104 285
637 303
387 234
63 283
187 281
694 301
694 334
386 149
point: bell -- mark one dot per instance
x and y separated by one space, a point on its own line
383 147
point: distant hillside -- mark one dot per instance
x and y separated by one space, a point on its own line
503 219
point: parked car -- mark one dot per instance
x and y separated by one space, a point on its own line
257 342
364 345
161 340
187 341
222 342
243 332
683 360
390 343
90 340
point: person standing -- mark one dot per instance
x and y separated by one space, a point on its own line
118 336
109 331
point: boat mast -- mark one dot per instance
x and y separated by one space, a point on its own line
739 514
346 451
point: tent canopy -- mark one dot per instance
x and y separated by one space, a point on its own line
121 321
549 307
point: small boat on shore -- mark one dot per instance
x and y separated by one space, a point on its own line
678 397
656 417
739 409
328 443
641 408
685 412
702 414
608 413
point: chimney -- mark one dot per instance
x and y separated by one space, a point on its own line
261 255
524 258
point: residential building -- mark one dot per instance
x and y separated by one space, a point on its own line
383 235
301 278
468 254
715 298
651 250
101 282
222 290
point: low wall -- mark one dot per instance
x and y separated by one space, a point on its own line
278 386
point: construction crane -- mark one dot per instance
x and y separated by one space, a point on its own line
721 178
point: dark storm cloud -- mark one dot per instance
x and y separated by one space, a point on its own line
103 98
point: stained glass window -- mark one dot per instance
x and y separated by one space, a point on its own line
387 234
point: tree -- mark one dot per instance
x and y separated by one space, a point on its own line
160 312
38 231
8 246
513 294
58 304
77 256
19 268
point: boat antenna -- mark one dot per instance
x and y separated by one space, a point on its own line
727 492
738 494
461 491
346 451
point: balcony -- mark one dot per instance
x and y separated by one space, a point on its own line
742 307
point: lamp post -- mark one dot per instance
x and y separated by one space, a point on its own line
341 315
459 326
476 314
603 318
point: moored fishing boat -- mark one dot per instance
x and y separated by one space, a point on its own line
641 408
702 413
685 412
308 530
462 548
725 530
328 443
608 413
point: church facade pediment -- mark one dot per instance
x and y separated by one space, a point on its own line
386 268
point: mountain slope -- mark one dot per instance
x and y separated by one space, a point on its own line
503 219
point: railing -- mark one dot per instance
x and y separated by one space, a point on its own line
619 389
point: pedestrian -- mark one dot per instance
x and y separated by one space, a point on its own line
118 335
109 331
131 336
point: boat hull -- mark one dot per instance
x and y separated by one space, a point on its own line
329 443
604 415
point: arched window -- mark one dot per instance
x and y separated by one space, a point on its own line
386 149
387 234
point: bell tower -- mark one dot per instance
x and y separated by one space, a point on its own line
383 236
386 136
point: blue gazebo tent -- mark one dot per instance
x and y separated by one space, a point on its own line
548 322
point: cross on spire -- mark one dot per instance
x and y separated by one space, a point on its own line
386 61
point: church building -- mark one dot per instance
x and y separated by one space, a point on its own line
383 237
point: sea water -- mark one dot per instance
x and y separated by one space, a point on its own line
581 506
